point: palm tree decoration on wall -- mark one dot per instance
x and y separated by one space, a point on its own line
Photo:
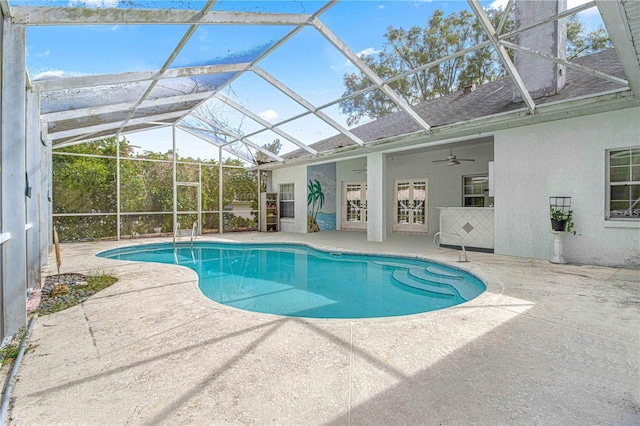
315 200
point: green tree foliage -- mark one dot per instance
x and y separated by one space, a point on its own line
581 42
87 184
405 50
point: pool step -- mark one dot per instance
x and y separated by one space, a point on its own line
402 276
424 274
437 270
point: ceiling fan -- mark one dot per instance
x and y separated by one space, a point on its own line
451 159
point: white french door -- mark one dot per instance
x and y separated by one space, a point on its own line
411 206
354 205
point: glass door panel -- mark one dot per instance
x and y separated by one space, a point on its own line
411 206
354 205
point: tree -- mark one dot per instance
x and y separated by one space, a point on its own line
581 42
405 50
274 147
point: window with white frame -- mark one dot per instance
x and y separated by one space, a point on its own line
287 198
623 184
475 191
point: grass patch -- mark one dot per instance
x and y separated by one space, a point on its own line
11 350
80 288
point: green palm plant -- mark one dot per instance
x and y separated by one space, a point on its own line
315 199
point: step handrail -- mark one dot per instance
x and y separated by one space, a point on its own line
462 257
176 230
193 232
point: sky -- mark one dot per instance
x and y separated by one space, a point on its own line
307 63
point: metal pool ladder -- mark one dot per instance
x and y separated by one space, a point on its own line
176 233
462 257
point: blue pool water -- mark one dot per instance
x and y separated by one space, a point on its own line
295 280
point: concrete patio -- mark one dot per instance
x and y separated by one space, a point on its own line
545 344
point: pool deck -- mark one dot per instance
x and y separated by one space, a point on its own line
545 344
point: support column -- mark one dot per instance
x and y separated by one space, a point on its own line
14 271
34 152
44 197
376 201
175 184
220 186
118 193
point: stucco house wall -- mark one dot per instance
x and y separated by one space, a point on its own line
444 182
298 176
563 158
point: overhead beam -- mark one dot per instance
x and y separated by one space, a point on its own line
362 66
227 148
615 20
84 138
105 109
568 64
134 77
307 105
108 126
264 123
122 16
5 10
502 53
505 15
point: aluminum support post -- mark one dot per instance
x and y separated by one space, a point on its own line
14 270
376 202
34 151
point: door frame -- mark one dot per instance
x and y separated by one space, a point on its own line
345 224
411 226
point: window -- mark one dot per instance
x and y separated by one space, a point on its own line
287 198
476 191
623 184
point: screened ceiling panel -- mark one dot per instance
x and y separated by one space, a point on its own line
285 6
243 91
270 74
189 85
71 99
308 129
124 4
231 118
108 133
317 77
91 120
184 107
104 49
228 44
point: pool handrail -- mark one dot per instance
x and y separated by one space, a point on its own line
193 232
176 231
462 257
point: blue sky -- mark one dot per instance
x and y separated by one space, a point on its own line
307 63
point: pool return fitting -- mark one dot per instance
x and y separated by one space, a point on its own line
462 257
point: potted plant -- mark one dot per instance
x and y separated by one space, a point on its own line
561 220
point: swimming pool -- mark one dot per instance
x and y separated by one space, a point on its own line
296 280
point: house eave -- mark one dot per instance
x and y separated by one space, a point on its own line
477 127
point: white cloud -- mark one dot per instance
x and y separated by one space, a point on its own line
268 115
49 75
368 51
499 4
44 54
